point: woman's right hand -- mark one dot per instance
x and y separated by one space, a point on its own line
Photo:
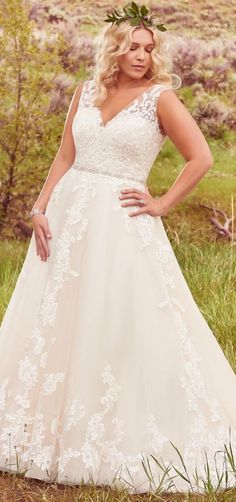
42 234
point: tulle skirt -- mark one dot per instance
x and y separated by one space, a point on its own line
108 368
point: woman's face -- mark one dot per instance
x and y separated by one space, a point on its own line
138 54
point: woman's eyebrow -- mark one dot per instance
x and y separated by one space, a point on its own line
136 43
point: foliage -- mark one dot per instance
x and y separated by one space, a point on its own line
213 116
28 128
135 15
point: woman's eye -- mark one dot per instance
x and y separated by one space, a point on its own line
134 48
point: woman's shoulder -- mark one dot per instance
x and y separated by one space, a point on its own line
160 85
83 84
164 90
83 87
157 88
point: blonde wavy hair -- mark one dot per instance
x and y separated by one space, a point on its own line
112 42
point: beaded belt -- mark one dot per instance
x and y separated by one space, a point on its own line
119 176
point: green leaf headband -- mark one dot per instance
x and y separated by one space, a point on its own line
135 14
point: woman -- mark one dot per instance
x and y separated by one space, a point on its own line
105 356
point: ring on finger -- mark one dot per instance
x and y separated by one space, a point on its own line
141 202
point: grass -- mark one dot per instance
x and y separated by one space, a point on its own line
31 491
210 272
12 255
21 490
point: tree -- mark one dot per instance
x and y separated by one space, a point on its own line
29 130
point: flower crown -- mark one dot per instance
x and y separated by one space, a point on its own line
135 14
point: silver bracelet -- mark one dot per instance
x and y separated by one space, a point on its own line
35 210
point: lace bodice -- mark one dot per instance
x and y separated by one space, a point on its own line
127 145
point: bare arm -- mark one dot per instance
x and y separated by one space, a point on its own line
178 124
183 131
62 162
64 157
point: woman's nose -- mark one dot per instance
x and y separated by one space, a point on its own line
140 55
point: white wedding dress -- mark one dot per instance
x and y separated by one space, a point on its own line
105 357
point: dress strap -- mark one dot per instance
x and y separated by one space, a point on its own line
159 88
86 93
155 94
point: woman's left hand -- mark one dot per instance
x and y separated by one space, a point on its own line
144 200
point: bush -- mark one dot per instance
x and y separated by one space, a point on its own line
212 115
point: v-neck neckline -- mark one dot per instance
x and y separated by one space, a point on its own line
138 98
